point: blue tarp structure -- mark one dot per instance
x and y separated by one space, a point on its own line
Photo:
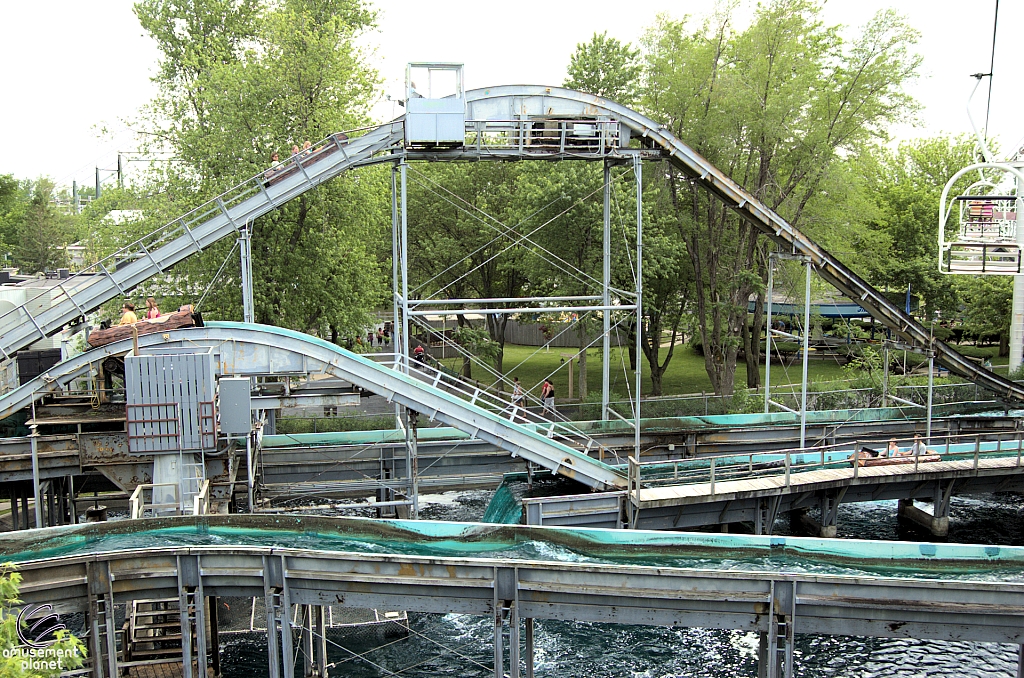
827 310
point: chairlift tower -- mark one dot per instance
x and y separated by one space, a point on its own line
987 236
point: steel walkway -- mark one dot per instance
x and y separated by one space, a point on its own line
259 350
512 105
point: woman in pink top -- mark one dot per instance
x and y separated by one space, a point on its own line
151 310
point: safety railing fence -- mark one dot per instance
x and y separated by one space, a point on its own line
201 502
501 403
720 468
544 135
138 505
708 404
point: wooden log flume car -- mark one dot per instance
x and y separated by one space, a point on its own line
183 317
870 457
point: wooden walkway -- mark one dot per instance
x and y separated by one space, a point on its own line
165 670
821 479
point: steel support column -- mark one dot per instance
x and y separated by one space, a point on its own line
606 278
102 638
404 245
36 498
412 462
272 604
638 172
807 337
499 659
396 336
320 629
1017 305
768 335
513 639
931 384
245 261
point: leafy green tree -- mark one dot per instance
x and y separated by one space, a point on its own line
668 281
987 305
774 106
238 81
43 232
466 231
12 209
65 653
606 67
905 186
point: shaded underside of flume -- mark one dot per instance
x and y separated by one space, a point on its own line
503 543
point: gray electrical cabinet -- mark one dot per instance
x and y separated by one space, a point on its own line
235 406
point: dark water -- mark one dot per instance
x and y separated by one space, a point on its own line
461 645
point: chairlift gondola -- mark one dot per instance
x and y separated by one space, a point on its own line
985 239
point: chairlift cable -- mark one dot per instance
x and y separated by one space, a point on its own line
991 66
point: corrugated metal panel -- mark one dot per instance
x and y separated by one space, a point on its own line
164 396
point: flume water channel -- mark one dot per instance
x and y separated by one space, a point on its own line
461 645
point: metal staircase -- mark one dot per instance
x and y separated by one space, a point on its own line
156 252
153 631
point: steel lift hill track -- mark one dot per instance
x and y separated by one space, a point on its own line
225 214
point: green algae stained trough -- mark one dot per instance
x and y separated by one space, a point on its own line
695 551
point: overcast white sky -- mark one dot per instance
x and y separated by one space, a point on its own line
73 68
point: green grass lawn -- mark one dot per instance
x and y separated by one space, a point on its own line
685 374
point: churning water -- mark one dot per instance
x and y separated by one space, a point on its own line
462 646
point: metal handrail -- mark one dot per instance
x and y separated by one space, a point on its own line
714 469
482 397
137 502
201 502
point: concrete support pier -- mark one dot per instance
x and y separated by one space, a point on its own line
938 526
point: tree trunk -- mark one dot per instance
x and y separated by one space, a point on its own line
581 363
467 362
652 350
631 343
752 343
496 330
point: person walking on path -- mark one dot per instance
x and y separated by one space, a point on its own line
517 393
547 396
